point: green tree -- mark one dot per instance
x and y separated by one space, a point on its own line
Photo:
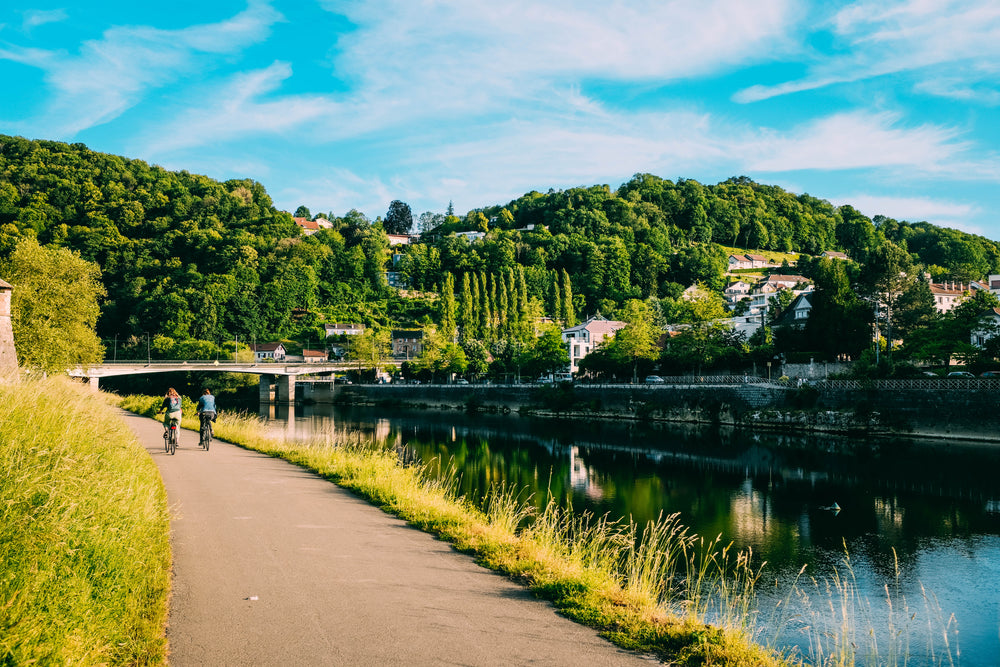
548 354
368 349
54 307
398 219
638 340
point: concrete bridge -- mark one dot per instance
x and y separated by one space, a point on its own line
281 376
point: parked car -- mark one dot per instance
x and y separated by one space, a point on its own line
654 379
461 381
990 374
545 379
961 374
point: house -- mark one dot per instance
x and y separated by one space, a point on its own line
748 261
310 227
395 279
739 262
471 236
407 343
947 295
988 328
786 282
344 329
797 313
834 254
314 356
268 351
582 339
736 292
400 239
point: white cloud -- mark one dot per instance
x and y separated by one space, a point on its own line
857 140
471 54
951 40
235 110
914 209
110 75
36 17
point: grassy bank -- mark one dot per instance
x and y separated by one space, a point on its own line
84 532
647 588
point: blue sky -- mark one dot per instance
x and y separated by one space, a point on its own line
889 106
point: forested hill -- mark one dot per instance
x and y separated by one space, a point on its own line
188 258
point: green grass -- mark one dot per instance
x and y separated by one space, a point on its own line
84 532
647 588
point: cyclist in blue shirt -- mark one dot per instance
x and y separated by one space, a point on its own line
171 406
206 407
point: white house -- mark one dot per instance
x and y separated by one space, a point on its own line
344 329
947 295
736 292
989 327
582 339
268 352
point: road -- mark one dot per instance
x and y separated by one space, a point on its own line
275 566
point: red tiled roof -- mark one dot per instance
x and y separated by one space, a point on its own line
306 223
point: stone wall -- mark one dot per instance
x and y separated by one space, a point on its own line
8 355
940 413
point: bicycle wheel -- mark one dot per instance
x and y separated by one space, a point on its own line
166 440
173 441
208 436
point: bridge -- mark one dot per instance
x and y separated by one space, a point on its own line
281 374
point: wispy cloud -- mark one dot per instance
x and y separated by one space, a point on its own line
36 17
937 43
110 75
857 140
236 109
914 209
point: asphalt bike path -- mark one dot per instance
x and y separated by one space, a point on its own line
273 565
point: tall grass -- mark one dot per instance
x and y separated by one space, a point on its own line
84 533
839 626
643 589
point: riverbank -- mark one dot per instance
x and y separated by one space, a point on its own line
84 532
955 410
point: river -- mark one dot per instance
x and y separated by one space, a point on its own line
919 520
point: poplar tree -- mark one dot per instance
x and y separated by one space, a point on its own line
493 308
555 302
466 310
569 317
503 313
484 307
523 314
447 304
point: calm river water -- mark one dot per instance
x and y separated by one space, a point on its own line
919 519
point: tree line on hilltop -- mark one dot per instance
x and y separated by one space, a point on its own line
182 266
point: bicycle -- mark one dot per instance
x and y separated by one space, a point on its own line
170 437
205 432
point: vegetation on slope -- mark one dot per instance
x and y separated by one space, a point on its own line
84 534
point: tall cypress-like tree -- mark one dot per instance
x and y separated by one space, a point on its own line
466 310
448 310
503 313
523 315
568 315
555 299
485 312
492 335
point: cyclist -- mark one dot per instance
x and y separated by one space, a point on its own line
206 409
172 406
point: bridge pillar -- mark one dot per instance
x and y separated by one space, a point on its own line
94 383
265 388
285 393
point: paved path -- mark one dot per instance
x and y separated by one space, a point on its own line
275 566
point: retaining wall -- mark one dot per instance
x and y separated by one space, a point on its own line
942 413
